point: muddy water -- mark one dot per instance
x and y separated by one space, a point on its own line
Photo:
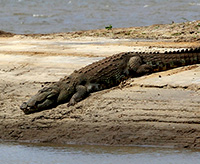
41 16
15 153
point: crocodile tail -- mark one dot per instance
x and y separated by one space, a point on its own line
171 59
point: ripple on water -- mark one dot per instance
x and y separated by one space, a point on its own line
50 16
85 154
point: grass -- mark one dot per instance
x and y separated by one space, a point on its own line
109 27
176 34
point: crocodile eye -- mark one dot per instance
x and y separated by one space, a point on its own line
49 89
43 90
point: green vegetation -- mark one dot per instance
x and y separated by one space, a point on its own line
108 27
197 26
195 36
176 34
128 32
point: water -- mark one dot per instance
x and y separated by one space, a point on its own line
42 16
13 153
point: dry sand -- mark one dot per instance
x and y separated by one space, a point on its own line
161 109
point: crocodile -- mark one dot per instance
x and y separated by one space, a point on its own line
107 73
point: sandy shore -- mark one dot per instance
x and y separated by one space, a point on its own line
161 109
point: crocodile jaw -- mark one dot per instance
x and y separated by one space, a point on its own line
27 108
45 98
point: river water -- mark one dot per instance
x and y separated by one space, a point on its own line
42 16
14 153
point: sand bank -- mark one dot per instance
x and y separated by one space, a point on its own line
161 109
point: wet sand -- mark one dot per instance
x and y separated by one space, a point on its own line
161 109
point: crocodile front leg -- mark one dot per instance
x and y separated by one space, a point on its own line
81 93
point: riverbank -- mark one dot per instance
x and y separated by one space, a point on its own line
177 32
161 109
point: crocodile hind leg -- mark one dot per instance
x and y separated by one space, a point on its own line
136 66
81 93
144 69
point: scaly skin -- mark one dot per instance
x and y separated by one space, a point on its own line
107 73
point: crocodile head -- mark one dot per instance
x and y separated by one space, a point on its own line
45 98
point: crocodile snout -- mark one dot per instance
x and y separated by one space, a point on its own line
25 108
